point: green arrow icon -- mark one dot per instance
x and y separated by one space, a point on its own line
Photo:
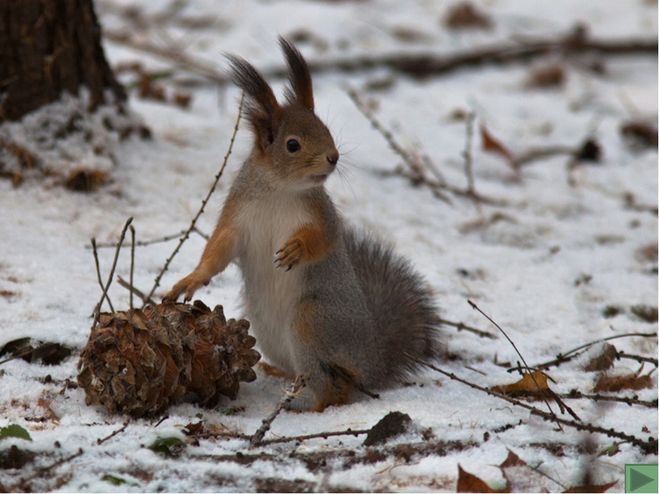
641 478
638 480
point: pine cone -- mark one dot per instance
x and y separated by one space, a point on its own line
140 362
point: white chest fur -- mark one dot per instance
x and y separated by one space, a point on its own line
270 294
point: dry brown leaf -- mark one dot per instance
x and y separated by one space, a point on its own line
603 360
465 15
640 134
548 76
591 488
633 381
44 403
530 383
493 145
85 180
468 482
648 253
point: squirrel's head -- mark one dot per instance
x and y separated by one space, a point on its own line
290 140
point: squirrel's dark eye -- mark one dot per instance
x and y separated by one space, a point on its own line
292 145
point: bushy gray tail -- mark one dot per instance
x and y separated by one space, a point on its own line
406 318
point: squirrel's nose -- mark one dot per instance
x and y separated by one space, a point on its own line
333 157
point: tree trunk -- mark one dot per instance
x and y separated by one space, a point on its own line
48 47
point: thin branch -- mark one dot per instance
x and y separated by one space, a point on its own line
416 173
110 436
122 282
98 273
318 435
638 358
466 154
132 263
285 439
292 391
460 326
193 223
628 400
649 446
530 372
97 310
421 65
144 243
570 354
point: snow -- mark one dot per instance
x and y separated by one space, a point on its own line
522 270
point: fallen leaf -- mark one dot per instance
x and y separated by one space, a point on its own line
603 360
85 180
645 312
639 134
14 430
168 446
591 488
194 429
531 383
465 15
493 145
547 76
633 381
468 482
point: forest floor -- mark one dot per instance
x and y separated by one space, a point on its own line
555 239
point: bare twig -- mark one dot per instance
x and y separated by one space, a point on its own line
285 439
122 282
628 400
290 393
575 42
540 153
132 263
318 435
314 460
110 436
98 273
570 354
97 310
466 154
460 326
144 243
530 372
193 223
649 446
638 358
416 173
162 419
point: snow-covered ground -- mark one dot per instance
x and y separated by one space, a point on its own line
556 256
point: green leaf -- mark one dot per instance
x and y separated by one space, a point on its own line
112 479
612 450
14 430
168 446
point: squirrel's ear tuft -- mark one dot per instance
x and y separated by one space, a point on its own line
262 109
298 74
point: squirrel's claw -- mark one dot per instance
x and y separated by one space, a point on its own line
289 255
188 285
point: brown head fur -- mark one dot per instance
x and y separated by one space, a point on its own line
289 140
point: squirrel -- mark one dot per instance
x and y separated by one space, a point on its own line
325 302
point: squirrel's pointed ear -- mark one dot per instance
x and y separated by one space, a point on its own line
262 109
299 75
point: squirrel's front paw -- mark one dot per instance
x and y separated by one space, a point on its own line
190 284
289 255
